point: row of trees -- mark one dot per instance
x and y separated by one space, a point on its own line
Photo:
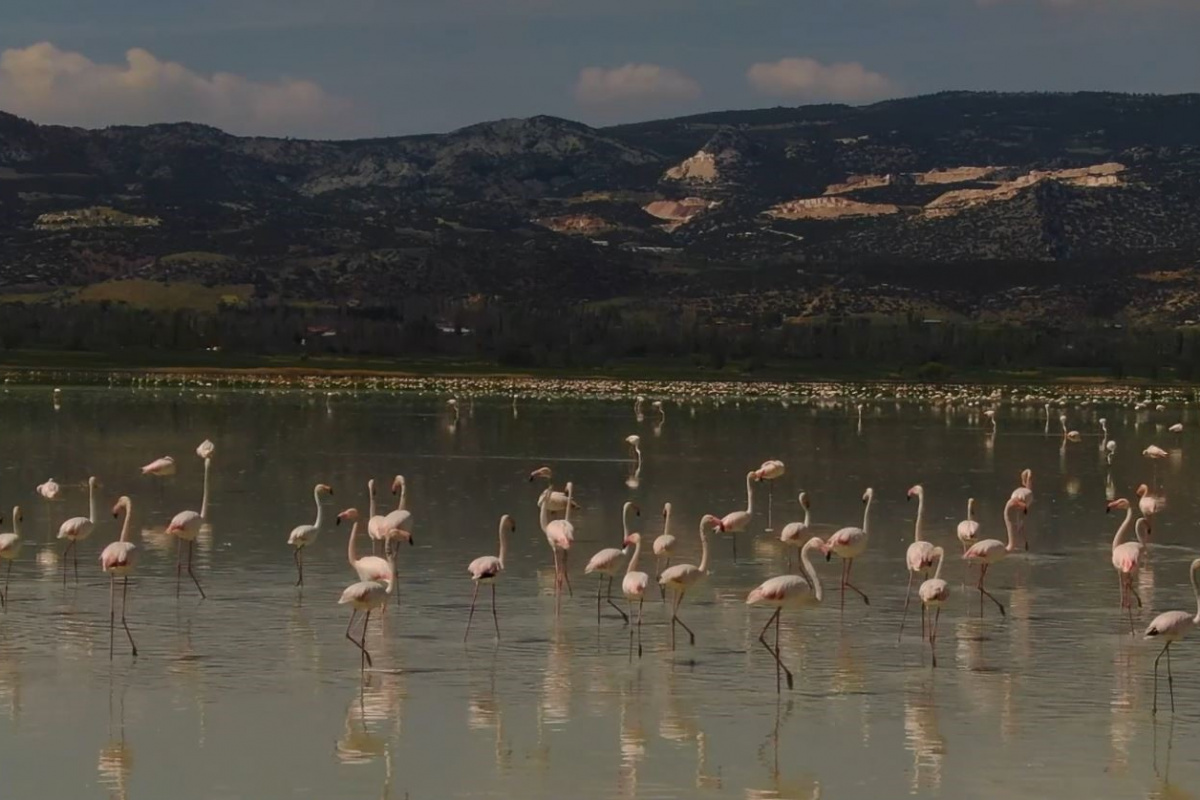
581 337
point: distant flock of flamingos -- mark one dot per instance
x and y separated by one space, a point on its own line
377 575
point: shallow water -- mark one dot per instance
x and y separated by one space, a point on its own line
255 693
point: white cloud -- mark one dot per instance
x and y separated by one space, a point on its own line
634 84
52 85
809 79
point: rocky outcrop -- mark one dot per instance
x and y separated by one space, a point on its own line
829 208
94 217
1097 176
679 212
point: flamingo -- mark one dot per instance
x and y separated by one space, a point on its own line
1126 556
366 596
919 556
368 568
76 529
991 415
1149 504
1173 626
1068 435
990 551
1110 450
398 524
1176 428
849 544
1024 493
933 593
10 548
793 533
682 577
304 535
633 586
737 521
557 500
1103 434
376 523
49 490
160 467
968 529
118 560
560 534
206 449
185 527
486 569
770 471
788 591
607 562
635 444
664 546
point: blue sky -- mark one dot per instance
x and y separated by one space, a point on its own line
372 67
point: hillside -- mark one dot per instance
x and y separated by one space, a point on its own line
972 206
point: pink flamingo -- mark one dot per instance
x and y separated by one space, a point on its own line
304 535
1173 626
1126 556
10 548
849 544
76 529
560 534
368 568
682 577
607 563
399 521
160 468
486 569
793 533
1149 504
968 529
933 593
918 558
664 546
788 591
185 527
990 551
118 560
633 586
557 500
366 596
1024 493
737 521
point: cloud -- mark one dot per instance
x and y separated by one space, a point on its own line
52 85
634 84
809 79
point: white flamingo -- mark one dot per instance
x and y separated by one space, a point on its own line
398 525
185 527
934 592
486 569
664 545
118 560
368 568
366 596
1126 556
794 533
303 536
968 529
633 586
1171 626
770 471
788 591
991 551
682 577
557 501
737 521
560 535
607 562
849 544
76 529
1150 505
10 549
919 556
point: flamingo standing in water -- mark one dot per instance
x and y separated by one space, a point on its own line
49 491
557 501
849 544
919 556
560 534
793 533
633 586
368 568
1149 504
737 521
607 563
1126 556
1068 435
10 548
1024 493
366 596
118 560
933 593
770 471
185 527
991 551
682 577
76 529
398 525
1171 626
486 569
376 522
304 535
664 546
968 529
788 591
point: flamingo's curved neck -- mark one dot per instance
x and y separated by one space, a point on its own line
17 522
810 573
625 521
970 512
1009 511
633 560
544 510
867 513
204 496
750 493
92 501
125 524
1123 530
350 547
920 524
1196 591
503 542
941 557
320 523
807 515
403 501
371 500
667 522
570 499
391 581
703 549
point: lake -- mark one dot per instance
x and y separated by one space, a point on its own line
255 692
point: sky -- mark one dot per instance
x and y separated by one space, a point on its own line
353 68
